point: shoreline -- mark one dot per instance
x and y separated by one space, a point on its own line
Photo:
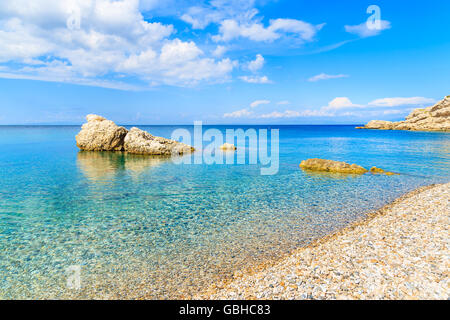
303 274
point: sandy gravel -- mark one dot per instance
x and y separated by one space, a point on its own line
399 252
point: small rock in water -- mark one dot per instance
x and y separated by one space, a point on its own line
376 170
228 146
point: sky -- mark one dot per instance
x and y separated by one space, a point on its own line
221 61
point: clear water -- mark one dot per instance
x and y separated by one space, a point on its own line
143 227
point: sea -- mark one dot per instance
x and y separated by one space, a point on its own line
110 225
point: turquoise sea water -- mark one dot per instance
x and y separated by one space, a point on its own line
144 227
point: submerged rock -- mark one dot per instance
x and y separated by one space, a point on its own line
99 134
376 170
138 141
331 166
228 146
434 118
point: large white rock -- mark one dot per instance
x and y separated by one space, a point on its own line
138 141
99 134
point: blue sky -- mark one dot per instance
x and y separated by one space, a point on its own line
220 61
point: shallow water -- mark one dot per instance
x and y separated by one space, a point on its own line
144 227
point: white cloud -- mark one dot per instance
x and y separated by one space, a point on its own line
324 76
341 103
231 29
200 16
395 102
238 114
117 85
82 41
339 107
363 31
284 114
219 51
284 102
255 79
256 103
146 5
333 108
256 64
317 113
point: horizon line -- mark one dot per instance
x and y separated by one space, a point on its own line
204 124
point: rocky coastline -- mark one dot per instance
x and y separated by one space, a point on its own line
434 118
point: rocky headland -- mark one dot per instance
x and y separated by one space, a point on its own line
434 118
100 134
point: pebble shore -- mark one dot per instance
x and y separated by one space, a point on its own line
398 252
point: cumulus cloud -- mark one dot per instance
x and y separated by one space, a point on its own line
341 103
219 51
94 42
317 113
256 64
324 76
246 112
284 114
254 30
395 102
364 31
201 15
238 114
338 107
255 79
343 106
256 103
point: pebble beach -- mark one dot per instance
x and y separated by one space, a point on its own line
399 252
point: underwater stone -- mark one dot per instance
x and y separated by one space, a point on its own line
331 166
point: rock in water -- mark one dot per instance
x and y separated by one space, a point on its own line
331 166
435 118
228 146
379 124
376 170
141 142
99 134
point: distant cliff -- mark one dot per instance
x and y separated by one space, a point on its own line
435 118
